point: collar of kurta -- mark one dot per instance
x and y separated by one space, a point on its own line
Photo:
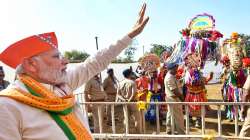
59 108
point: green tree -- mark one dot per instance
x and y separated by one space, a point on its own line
117 60
246 39
76 56
158 49
129 53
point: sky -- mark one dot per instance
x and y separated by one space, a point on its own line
78 22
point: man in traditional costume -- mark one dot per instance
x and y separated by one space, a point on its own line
40 105
236 77
224 76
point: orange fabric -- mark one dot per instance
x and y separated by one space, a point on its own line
50 102
28 47
142 82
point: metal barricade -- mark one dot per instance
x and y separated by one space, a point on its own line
162 134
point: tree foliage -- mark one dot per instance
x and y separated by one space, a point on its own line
158 49
129 53
75 55
246 39
118 60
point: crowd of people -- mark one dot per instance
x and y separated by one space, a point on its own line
164 85
178 82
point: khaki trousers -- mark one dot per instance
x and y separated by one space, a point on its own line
134 115
176 112
111 98
96 117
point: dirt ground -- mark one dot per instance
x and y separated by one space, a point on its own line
211 121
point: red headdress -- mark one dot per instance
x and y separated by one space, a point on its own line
28 47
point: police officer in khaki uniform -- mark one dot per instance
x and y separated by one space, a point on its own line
110 87
94 93
127 93
173 94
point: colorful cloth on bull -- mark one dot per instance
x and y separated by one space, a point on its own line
142 92
155 89
196 91
195 94
151 113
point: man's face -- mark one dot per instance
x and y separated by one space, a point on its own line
111 73
51 67
174 70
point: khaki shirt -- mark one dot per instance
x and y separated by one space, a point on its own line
19 121
94 90
127 90
110 86
170 83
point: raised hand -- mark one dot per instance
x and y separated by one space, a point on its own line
140 24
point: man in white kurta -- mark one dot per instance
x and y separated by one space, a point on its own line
23 122
19 121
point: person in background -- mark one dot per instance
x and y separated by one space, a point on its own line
127 93
195 83
110 87
94 92
173 94
3 83
40 104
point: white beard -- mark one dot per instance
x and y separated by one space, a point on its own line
51 75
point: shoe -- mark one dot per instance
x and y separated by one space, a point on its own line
109 123
191 121
230 120
197 124
169 132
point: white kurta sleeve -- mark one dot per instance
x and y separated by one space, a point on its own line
9 123
94 65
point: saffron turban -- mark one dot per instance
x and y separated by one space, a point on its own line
28 47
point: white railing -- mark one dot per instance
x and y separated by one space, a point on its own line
164 135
